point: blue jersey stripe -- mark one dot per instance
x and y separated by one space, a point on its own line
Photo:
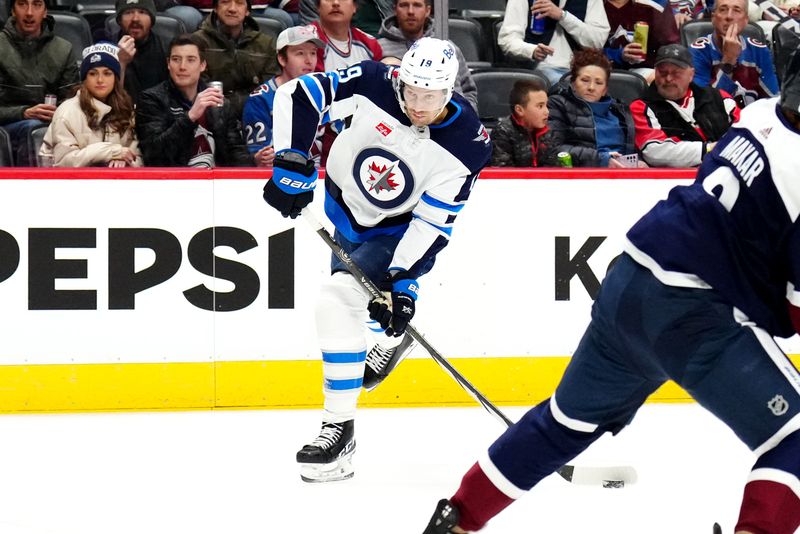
344 357
439 204
314 91
342 385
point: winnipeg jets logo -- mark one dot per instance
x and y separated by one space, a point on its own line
383 177
778 405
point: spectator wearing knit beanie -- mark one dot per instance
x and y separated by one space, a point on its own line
142 53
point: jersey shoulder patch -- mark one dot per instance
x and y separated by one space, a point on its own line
701 42
755 42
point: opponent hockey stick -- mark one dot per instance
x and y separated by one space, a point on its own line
608 477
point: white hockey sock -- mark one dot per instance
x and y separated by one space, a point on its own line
341 312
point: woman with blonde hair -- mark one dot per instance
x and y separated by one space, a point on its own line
96 126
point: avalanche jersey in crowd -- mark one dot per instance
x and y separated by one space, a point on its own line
257 116
359 47
257 120
693 8
752 78
735 228
383 175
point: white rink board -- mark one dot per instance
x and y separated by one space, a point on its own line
491 292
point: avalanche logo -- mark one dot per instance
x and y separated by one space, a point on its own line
383 178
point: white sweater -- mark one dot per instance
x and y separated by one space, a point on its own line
71 142
589 33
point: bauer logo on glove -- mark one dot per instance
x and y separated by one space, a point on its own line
291 188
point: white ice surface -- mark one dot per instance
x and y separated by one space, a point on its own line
233 472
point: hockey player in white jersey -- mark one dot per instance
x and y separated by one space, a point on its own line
709 276
396 179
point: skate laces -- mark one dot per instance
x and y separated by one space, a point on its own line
378 357
330 434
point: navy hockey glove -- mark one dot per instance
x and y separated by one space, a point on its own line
395 319
291 187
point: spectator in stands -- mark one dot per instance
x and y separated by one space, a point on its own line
34 62
345 45
142 54
792 8
686 10
94 127
569 26
522 139
368 18
593 127
411 21
239 55
201 7
677 121
297 55
740 66
183 122
622 16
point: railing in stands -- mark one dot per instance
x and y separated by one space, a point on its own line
152 173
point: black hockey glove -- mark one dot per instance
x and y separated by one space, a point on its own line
291 187
394 318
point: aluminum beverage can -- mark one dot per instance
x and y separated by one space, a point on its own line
218 87
565 159
51 100
537 25
640 30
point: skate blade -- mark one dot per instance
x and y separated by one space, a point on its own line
341 469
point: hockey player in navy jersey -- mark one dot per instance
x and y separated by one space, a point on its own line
708 277
396 179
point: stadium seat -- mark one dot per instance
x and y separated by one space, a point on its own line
479 9
6 157
166 27
493 5
626 86
694 29
270 26
494 85
468 36
784 42
73 28
623 85
260 15
35 140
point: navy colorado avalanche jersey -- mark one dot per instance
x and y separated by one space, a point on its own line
735 228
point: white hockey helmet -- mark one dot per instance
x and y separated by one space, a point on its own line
431 64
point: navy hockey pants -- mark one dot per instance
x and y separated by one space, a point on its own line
642 333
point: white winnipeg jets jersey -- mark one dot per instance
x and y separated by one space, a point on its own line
383 175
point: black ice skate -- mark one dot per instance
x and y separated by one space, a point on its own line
444 518
381 361
328 457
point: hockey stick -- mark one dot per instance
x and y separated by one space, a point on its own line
608 477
